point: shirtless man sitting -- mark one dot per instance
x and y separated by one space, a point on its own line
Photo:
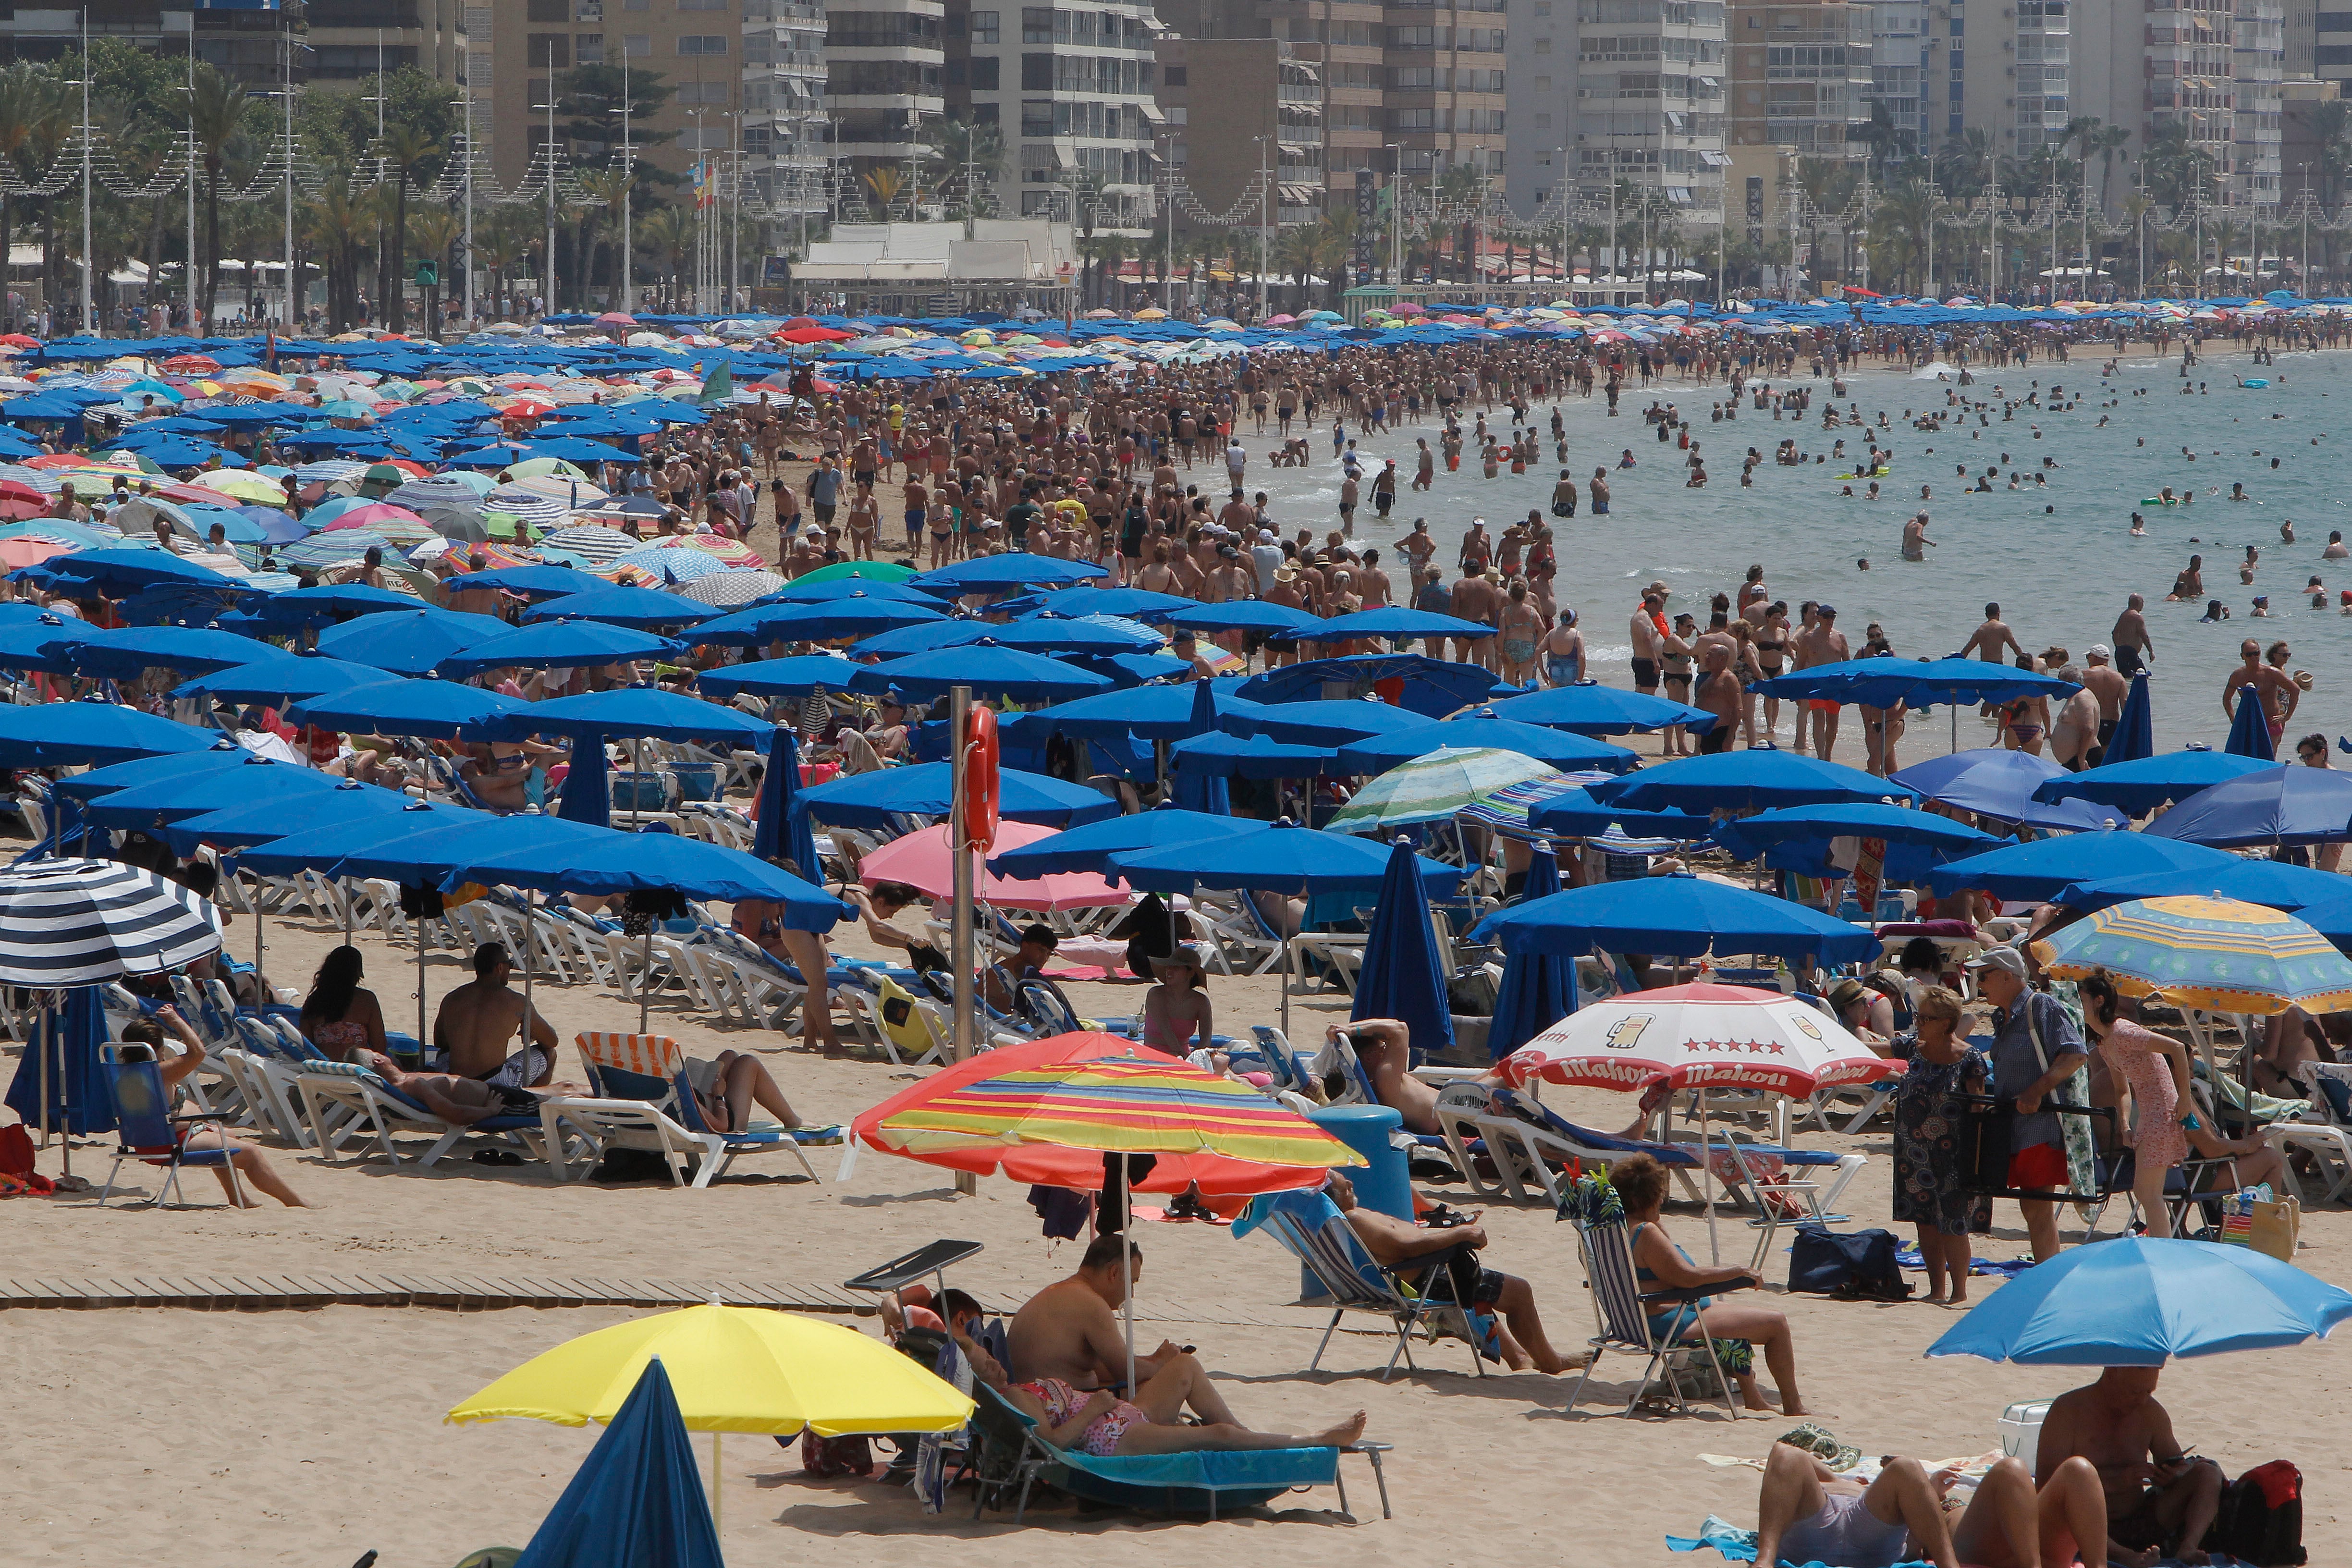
478 1019
1805 1511
2160 1501
1385 1047
1395 1243
1070 1330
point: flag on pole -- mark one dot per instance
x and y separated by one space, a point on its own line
718 385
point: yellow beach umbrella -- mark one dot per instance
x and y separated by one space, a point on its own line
733 1369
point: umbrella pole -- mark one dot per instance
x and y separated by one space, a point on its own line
1127 1265
646 980
42 1035
423 1039
716 1528
1706 1179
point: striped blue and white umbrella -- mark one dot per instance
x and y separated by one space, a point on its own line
328 471
327 549
730 587
539 510
590 541
77 922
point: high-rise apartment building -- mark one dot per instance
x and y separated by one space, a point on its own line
885 72
352 40
1801 76
695 46
784 136
1072 90
2258 65
1898 73
1650 104
1239 111
1539 82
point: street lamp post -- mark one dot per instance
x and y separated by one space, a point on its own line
89 261
1265 216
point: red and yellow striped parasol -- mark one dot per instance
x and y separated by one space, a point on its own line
998 1110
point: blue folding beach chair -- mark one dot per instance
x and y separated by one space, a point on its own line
147 1130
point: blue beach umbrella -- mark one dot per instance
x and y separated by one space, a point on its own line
990 671
1151 713
1481 729
281 678
2139 1301
1748 837
587 784
1393 621
1537 989
128 569
409 642
801 591
558 644
922 789
1402 977
1679 916
783 831
638 1497
1130 603
1084 848
928 638
123 654
1335 723
265 822
644 712
2135 735
2274 884
2276 807
256 781
323 605
1244 616
1286 858
2249 729
2002 784
223 754
1601 710
533 583
1574 814
434 710
816 621
90 732
612 864
803 675
66 1043
1735 780
1013 570
1218 755
645 608
2142 784
41 643
2036 872
1058 634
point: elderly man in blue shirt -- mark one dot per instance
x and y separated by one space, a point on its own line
2036 1047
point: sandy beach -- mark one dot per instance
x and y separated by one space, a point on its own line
311 1437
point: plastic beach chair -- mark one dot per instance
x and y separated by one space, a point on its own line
147 1130
1311 1229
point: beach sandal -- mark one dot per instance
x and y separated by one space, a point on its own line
1438 1216
1187 1206
497 1157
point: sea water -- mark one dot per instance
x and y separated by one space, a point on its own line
2060 575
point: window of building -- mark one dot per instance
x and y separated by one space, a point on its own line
637 45
702 4
702 92
984 26
1177 76
1036 23
548 11
1036 74
549 49
984 74
589 50
985 113
702 43
1543 46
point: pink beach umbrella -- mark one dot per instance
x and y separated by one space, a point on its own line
921 859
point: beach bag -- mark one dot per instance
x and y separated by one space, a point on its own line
1855 1266
2260 1517
830 1456
899 1017
2075 1136
2273 1227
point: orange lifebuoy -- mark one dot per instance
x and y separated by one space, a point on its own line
980 774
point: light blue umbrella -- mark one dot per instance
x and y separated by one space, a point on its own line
2003 784
1679 916
2274 884
2139 1301
2249 729
1402 977
2144 783
2278 805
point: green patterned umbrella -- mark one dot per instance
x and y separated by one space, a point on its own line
1431 788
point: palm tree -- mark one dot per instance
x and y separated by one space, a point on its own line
2107 141
434 231
669 232
886 181
215 109
502 240
336 220
1905 221
966 157
402 149
612 187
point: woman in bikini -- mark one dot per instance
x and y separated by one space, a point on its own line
2024 722
1177 1006
339 1017
1771 656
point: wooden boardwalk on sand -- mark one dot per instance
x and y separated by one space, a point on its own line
487 1292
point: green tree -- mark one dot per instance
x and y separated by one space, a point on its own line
217 107
588 101
668 233
965 159
434 233
338 220
406 152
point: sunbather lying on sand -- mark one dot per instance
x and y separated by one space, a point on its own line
1102 1424
1807 1512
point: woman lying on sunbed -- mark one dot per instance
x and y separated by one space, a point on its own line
1101 1424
